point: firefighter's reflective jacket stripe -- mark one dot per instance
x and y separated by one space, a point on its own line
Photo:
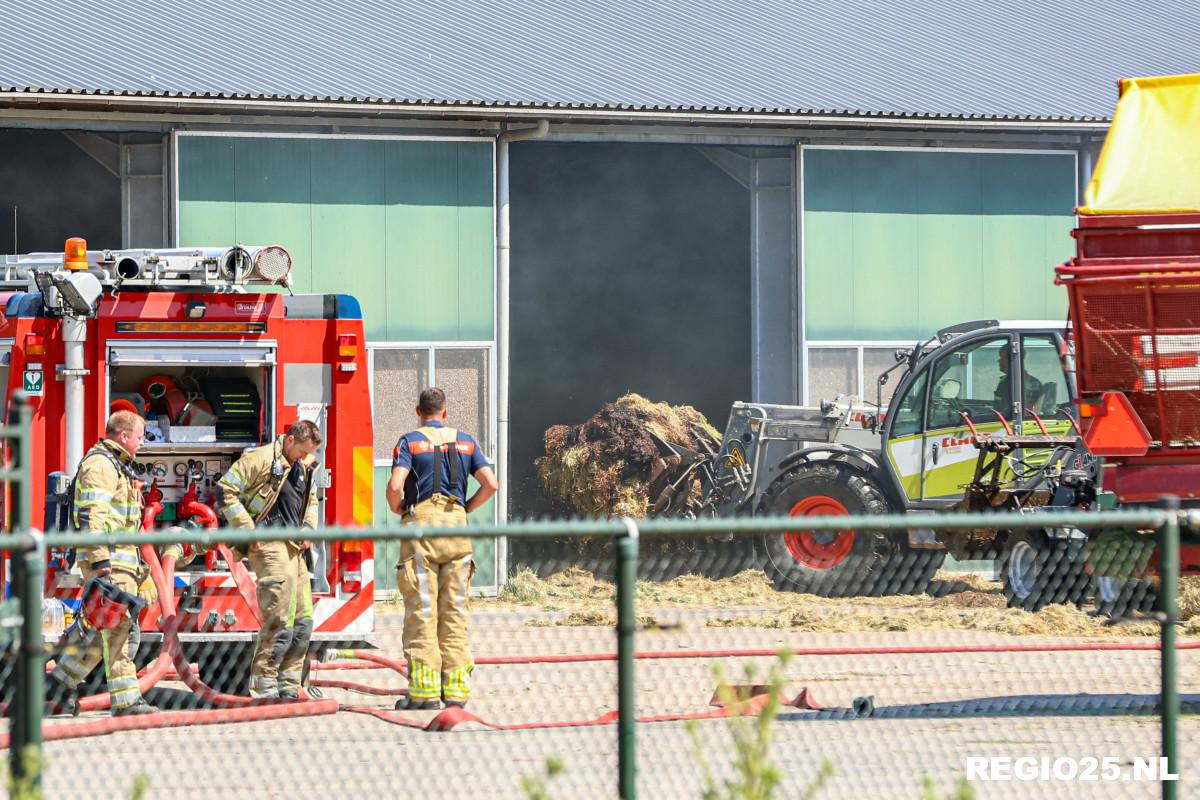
249 489
108 498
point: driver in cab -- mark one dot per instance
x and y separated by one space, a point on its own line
1031 387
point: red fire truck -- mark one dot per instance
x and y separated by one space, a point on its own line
204 344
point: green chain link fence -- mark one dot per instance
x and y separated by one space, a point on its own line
261 750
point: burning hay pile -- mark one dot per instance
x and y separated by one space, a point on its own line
605 467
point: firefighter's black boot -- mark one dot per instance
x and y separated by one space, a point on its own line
140 707
418 704
60 698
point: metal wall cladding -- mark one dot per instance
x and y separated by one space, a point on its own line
406 226
900 243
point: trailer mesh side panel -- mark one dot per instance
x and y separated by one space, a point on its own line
1141 335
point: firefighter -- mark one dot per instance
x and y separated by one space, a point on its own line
274 486
107 498
428 487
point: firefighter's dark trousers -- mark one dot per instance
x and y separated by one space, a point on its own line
109 646
434 576
285 603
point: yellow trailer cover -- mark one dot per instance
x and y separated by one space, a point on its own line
1151 159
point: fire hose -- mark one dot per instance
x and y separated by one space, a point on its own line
362 659
231 708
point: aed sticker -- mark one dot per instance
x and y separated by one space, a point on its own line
34 382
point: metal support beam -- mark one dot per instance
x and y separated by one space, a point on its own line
503 282
737 163
103 151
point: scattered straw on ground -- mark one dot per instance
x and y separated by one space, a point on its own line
974 604
602 467
1189 599
1059 620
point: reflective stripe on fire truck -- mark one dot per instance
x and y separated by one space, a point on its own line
354 614
364 484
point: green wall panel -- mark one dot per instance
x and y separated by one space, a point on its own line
900 243
387 552
348 214
210 168
406 226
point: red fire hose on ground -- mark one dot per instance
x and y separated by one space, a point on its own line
234 708
230 708
452 717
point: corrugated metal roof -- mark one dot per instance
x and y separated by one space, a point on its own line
1023 59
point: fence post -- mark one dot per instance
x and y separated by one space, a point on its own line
28 570
1168 548
627 553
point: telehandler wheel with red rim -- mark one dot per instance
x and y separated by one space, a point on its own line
834 563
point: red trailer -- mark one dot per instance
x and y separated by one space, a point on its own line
1134 293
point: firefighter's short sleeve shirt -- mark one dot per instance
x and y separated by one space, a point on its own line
415 453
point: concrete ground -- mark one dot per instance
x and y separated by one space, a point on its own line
357 756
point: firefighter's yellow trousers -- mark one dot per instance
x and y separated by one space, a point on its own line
109 646
434 577
285 603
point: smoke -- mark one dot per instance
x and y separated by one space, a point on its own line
630 273
59 192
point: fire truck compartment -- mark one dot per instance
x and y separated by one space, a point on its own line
197 397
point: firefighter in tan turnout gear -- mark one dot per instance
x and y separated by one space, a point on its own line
107 499
428 487
273 486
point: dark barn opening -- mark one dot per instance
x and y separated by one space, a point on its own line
630 273
58 191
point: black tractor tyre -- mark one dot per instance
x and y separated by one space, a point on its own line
1121 586
913 569
1125 597
864 569
1039 570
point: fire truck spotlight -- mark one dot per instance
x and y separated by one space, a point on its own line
80 290
273 264
195 309
75 253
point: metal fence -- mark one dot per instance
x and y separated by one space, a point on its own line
688 719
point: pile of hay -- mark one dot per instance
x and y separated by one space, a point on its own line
603 467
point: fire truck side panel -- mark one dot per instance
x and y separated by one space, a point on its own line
322 332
